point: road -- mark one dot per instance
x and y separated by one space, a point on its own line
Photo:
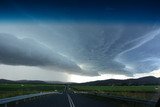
68 99
72 100
64 100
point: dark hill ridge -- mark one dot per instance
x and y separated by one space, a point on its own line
22 81
31 81
150 80
5 81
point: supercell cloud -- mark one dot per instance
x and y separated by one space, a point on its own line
28 52
81 37
83 49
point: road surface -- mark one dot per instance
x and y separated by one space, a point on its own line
65 100
68 99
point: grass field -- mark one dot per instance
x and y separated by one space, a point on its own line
137 92
117 88
9 90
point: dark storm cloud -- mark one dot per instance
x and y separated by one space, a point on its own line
101 45
28 52
84 49
100 49
106 43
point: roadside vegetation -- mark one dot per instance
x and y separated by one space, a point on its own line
10 90
147 92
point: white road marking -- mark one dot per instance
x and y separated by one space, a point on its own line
70 101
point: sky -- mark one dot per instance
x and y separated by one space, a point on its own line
79 41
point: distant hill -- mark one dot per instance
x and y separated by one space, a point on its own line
6 81
30 82
150 80
21 81
58 82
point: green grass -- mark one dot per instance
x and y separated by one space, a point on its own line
10 90
117 88
137 92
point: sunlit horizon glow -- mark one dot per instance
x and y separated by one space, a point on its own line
33 73
81 79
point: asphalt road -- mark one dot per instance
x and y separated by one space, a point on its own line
74 100
64 100
70 99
